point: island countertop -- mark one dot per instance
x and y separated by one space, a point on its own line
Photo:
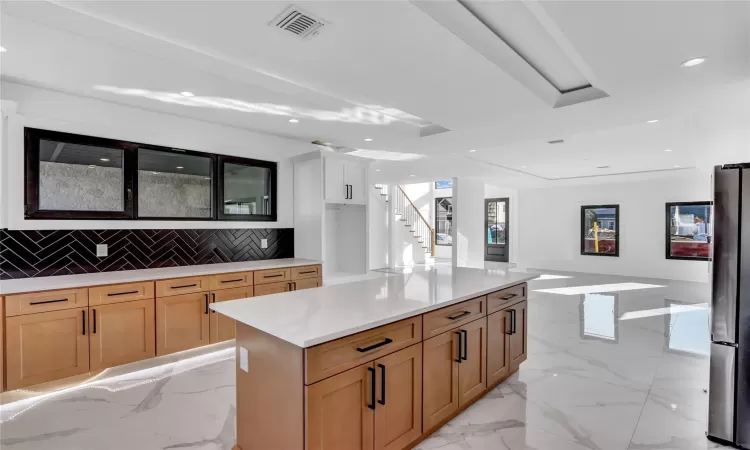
310 317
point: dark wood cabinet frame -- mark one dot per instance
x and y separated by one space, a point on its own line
583 230
33 136
668 236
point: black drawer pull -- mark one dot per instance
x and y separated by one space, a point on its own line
372 387
463 314
273 276
122 293
465 357
382 384
309 271
184 286
48 301
233 281
374 346
84 322
206 295
94 312
508 297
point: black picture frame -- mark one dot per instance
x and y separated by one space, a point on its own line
33 137
582 230
668 234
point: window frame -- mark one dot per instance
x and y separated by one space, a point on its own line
272 189
33 136
582 231
668 235
444 187
437 202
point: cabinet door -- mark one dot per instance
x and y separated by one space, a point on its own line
122 333
498 340
340 411
518 340
398 413
46 346
355 177
181 322
472 371
307 283
336 190
440 379
222 327
273 288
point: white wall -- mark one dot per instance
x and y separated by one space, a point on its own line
377 219
40 108
468 222
550 227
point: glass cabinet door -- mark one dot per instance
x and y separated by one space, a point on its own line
247 190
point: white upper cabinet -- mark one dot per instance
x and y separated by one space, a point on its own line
345 181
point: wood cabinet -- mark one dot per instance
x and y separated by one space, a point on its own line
46 346
272 276
272 288
340 411
307 283
299 273
498 341
182 322
230 280
450 317
2 344
501 299
37 302
118 293
180 286
122 333
517 350
398 409
222 328
472 371
440 379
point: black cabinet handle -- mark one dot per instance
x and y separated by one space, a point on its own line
48 301
206 295
374 346
372 387
508 297
382 384
114 294
309 271
514 321
213 300
84 322
294 284
273 276
510 324
460 336
184 286
233 281
465 357
351 192
94 328
463 314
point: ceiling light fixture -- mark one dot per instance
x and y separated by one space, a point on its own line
180 167
187 94
523 167
652 121
104 159
377 170
676 167
667 149
2 49
693 62
411 175
472 151
293 121
368 139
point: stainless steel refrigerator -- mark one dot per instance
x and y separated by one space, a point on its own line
729 387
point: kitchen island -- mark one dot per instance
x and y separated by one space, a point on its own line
375 364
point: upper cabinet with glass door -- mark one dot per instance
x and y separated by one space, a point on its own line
247 189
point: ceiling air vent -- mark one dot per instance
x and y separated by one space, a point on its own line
556 141
298 22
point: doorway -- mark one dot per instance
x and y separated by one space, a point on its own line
496 244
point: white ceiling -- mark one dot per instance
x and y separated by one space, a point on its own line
379 55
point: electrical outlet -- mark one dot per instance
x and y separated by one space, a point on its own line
102 250
264 243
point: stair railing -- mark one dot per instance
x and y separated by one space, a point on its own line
415 220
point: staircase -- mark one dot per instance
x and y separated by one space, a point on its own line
418 225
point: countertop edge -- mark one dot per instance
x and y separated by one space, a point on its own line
11 287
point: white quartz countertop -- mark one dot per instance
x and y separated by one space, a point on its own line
314 316
130 276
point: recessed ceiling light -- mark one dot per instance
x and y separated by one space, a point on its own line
180 167
411 175
667 149
293 121
472 151
2 49
652 121
676 167
187 94
523 167
693 62
377 170
368 139
104 159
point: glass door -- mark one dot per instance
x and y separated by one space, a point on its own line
496 246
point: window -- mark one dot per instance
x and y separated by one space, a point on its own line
600 233
71 176
688 234
174 184
445 184
443 220
248 189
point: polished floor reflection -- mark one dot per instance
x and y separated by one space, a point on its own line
616 370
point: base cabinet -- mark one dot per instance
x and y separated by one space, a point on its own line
46 346
440 379
517 351
472 370
498 341
222 328
273 288
182 322
122 333
308 283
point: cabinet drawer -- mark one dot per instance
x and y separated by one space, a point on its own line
178 286
447 318
16 305
325 360
307 283
117 293
500 299
272 276
231 280
299 273
272 288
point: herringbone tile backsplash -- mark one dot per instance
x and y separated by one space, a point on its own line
30 253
